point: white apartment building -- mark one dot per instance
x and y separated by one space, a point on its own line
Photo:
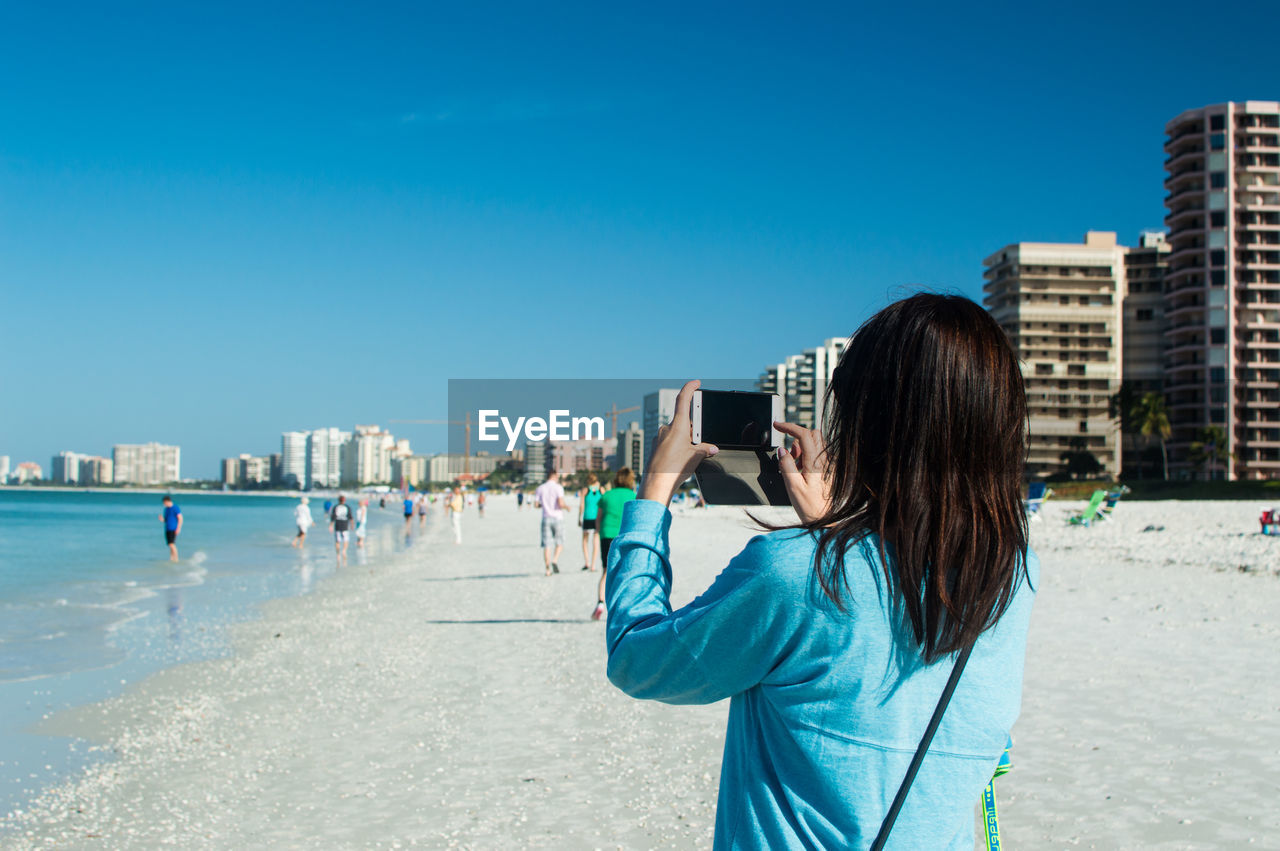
65 468
629 451
293 459
145 464
324 457
1222 296
1060 304
4 469
802 381
369 455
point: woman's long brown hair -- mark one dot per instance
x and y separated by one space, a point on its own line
925 450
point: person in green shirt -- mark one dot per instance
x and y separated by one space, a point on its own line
588 506
609 523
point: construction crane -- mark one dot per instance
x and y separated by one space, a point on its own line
466 423
614 410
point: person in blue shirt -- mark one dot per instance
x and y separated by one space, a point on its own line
408 515
834 637
172 519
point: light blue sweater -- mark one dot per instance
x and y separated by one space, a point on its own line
827 707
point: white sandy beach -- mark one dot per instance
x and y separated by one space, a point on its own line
454 697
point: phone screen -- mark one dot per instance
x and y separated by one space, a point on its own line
742 420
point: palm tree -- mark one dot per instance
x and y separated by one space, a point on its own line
1151 418
1210 449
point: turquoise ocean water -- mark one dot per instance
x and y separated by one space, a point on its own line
89 601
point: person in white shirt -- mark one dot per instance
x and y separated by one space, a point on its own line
362 518
302 516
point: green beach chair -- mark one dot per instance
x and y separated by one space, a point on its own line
1086 517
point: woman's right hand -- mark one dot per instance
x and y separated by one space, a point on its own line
804 472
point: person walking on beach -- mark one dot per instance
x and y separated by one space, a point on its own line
302 517
550 497
362 522
889 619
453 508
609 521
340 521
423 507
408 515
588 504
172 519
480 501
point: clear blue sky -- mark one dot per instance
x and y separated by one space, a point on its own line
221 221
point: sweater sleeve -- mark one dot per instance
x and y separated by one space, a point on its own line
724 642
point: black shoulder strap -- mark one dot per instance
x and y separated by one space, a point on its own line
914 768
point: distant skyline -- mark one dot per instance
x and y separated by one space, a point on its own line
220 223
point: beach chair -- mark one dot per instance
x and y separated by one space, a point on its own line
1113 497
1090 513
1270 521
1037 493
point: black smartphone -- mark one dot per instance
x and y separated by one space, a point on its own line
736 420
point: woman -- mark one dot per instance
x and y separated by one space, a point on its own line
304 521
588 505
609 521
836 637
362 522
453 508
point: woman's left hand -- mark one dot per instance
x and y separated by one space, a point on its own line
675 455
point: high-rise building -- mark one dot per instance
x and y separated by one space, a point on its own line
630 449
4 469
95 470
659 409
145 464
1222 293
537 458
369 455
1060 304
324 457
1142 356
231 472
802 380
65 468
293 459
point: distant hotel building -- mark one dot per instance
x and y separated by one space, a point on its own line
1060 305
27 471
575 456
4 469
629 451
248 471
293 459
659 408
65 468
536 462
410 471
1223 283
802 380
449 466
145 464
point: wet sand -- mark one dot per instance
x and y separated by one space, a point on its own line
454 697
